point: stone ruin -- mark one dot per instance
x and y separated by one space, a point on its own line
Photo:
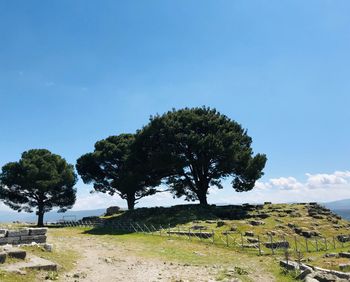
23 236
25 261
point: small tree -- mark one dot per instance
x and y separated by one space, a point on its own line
196 148
115 168
39 180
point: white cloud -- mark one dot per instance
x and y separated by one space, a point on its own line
286 183
313 181
320 187
322 179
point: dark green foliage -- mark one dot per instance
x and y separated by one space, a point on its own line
40 180
114 168
196 148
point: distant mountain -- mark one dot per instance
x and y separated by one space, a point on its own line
338 205
10 216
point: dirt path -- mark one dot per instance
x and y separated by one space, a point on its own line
103 262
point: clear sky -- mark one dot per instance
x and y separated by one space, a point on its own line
74 72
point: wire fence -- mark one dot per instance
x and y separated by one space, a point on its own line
247 242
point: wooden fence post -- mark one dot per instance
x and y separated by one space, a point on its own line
296 243
259 246
242 241
169 229
316 244
271 241
334 247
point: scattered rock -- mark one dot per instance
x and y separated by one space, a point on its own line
326 277
304 274
330 255
112 210
198 227
290 265
276 245
3 256
256 222
343 238
15 253
220 223
262 215
48 247
344 255
249 234
253 240
210 221
344 266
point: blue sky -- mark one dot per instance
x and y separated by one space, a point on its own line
74 72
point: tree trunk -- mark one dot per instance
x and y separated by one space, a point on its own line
202 197
40 217
131 201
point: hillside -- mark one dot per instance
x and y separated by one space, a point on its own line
301 220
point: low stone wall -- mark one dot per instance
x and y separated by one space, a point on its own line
23 236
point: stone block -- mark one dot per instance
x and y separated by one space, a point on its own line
13 240
249 234
37 231
343 238
27 239
290 265
344 255
220 223
40 239
3 257
112 210
4 241
198 227
253 240
48 247
256 222
16 253
276 245
3 231
17 233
